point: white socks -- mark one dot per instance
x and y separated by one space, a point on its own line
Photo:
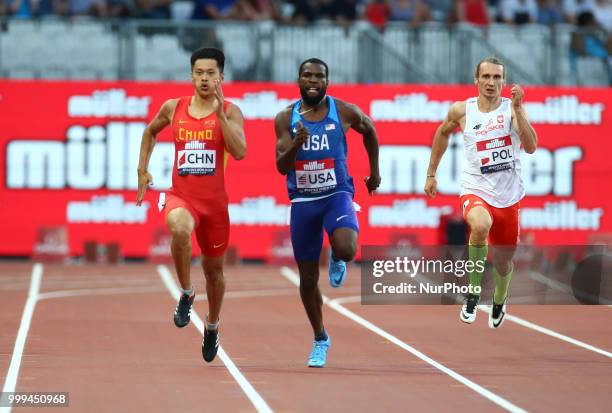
211 326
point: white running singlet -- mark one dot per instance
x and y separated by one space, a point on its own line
492 166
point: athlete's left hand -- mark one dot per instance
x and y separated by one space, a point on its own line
517 94
372 183
219 99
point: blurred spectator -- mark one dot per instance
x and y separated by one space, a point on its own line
377 13
304 12
15 8
590 40
61 8
603 14
549 12
41 7
255 10
573 9
214 10
95 8
472 11
342 11
413 11
440 10
152 9
518 11
120 8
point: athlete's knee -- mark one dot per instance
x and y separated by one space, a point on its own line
213 272
214 276
308 281
503 268
480 229
344 244
181 233
345 252
180 224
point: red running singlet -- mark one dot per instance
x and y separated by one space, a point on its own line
200 156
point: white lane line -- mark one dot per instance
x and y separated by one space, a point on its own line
293 277
549 332
28 311
258 402
538 328
567 289
148 290
349 299
254 293
99 291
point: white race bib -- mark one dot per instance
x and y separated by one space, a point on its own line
196 162
315 176
496 154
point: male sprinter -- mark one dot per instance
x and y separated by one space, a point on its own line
205 129
311 151
494 128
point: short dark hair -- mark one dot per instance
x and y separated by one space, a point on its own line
316 61
209 53
490 59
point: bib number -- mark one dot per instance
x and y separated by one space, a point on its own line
495 154
314 177
196 162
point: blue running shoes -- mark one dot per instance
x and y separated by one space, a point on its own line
337 272
318 355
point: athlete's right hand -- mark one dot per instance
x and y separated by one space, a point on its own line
301 136
145 180
431 186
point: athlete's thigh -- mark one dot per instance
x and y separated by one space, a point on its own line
340 222
505 229
476 212
180 214
307 230
340 213
213 232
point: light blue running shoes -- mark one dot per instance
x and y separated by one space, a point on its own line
337 272
318 355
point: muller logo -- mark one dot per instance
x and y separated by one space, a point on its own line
314 166
494 143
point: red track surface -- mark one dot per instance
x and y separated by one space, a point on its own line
115 348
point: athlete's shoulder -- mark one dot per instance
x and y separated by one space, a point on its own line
231 108
282 121
342 104
457 109
168 108
170 104
347 110
285 114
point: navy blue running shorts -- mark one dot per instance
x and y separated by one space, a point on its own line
309 218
